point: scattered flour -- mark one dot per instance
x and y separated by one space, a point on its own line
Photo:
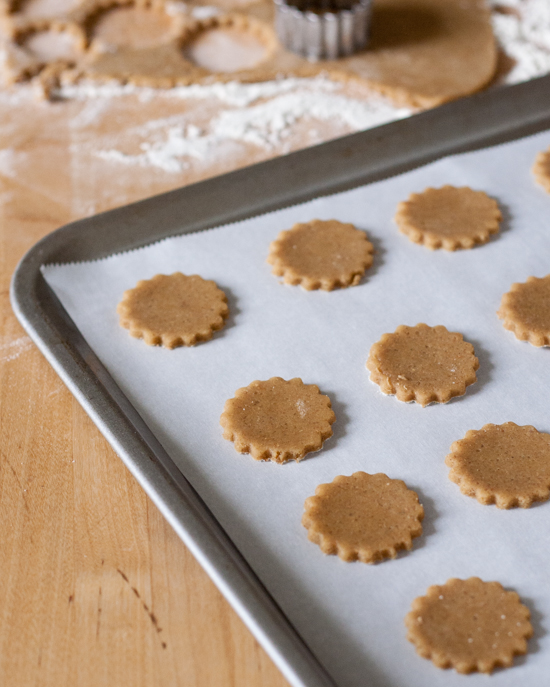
266 114
233 93
260 114
13 349
7 156
301 407
522 28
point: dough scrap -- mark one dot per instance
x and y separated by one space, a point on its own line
113 25
448 217
321 255
278 420
168 64
363 517
541 169
508 465
173 310
469 625
525 310
422 53
50 45
423 364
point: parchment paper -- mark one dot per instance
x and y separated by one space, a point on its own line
351 614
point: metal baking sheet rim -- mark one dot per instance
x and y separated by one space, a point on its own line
478 121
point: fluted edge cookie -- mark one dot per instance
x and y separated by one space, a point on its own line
321 255
423 364
508 465
363 517
525 310
541 169
469 625
448 217
173 310
278 420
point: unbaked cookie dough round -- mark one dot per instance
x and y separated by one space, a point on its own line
507 464
363 517
469 625
423 364
525 310
173 310
448 217
278 420
321 255
541 169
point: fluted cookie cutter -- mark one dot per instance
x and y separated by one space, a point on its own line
323 29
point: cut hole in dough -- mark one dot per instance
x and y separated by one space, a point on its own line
49 46
226 49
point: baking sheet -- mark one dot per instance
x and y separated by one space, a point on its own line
351 615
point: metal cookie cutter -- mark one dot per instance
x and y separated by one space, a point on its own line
323 29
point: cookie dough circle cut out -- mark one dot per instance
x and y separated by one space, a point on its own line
321 255
423 364
173 310
363 517
448 217
525 310
469 625
506 464
278 420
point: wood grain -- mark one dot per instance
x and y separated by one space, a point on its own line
95 587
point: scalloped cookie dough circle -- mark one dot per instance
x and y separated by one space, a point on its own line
363 517
448 217
469 625
278 420
508 465
525 310
423 364
541 169
173 310
321 255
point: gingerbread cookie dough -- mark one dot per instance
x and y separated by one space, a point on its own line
321 255
423 364
525 310
426 52
363 517
541 170
191 56
504 464
469 625
50 45
421 53
278 420
448 217
173 310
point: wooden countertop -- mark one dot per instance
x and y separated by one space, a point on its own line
95 587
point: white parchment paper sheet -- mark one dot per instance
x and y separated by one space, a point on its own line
351 614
